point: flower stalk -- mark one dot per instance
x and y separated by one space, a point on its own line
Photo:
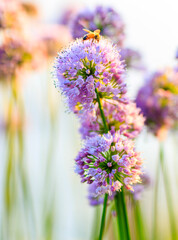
101 111
139 221
103 217
155 203
168 193
106 195
89 73
123 225
122 219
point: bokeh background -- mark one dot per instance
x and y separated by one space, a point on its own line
59 206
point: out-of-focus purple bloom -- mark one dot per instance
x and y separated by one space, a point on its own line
7 65
158 100
17 55
93 198
104 18
124 170
54 37
17 44
68 15
132 58
86 65
119 116
14 53
177 54
140 187
111 26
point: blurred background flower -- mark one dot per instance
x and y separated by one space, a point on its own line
47 198
158 100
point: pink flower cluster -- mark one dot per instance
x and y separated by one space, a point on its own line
110 161
125 117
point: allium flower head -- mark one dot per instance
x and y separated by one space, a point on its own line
140 187
95 199
69 14
132 58
51 38
110 161
14 53
104 18
119 116
158 100
12 15
86 65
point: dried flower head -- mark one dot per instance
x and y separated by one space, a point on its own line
110 161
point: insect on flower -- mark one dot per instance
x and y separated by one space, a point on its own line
92 35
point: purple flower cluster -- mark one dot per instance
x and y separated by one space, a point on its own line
158 100
89 73
85 66
125 117
68 14
50 36
110 161
104 18
14 54
111 26
95 199
132 58
140 187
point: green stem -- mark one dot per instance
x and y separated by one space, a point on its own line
139 221
95 227
9 170
125 215
168 194
8 181
106 195
103 217
119 218
48 216
155 204
101 111
122 218
10 173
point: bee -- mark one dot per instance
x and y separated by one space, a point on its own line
92 35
